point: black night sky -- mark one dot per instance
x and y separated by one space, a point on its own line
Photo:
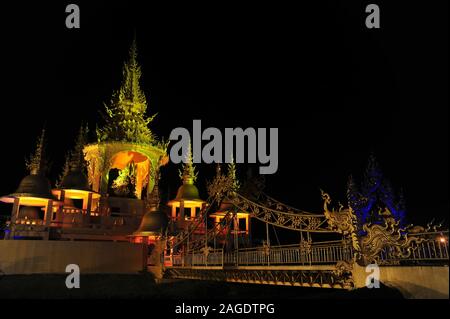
336 90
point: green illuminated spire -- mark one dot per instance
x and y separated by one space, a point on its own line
126 118
37 164
232 175
130 94
65 171
188 174
154 199
76 160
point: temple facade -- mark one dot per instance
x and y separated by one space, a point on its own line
109 190
105 188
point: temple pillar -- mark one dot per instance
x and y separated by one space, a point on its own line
15 210
174 212
48 212
249 228
151 178
139 181
60 217
95 175
48 217
89 204
182 210
203 207
144 253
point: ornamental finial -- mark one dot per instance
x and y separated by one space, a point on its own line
125 117
37 164
188 174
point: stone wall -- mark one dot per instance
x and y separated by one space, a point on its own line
49 257
417 282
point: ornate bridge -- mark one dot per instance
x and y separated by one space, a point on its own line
311 262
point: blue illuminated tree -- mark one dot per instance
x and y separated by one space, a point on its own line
374 193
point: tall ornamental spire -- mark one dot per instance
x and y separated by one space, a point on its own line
130 93
232 175
126 118
75 159
37 163
77 162
188 174
154 199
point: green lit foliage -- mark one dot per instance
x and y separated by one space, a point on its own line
37 164
126 118
123 185
224 185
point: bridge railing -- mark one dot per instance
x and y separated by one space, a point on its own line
318 253
213 258
431 247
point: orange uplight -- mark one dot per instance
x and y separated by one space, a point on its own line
33 201
442 240
122 159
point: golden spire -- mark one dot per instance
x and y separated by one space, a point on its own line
65 171
76 161
188 174
130 93
154 199
232 175
126 118
37 163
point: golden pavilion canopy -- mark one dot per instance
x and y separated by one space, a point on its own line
125 142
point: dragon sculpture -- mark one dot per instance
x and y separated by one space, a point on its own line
386 237
342 221
389 237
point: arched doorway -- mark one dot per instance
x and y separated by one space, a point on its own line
104 157
128 174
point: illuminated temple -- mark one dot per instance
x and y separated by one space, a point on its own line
105 215
108 190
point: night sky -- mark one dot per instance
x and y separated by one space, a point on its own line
336 90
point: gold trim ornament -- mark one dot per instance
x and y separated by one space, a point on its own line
389 237
343 221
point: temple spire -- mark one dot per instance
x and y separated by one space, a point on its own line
126 118
232 174
130 92
37 164
76 161
65 171
188 174
154 199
